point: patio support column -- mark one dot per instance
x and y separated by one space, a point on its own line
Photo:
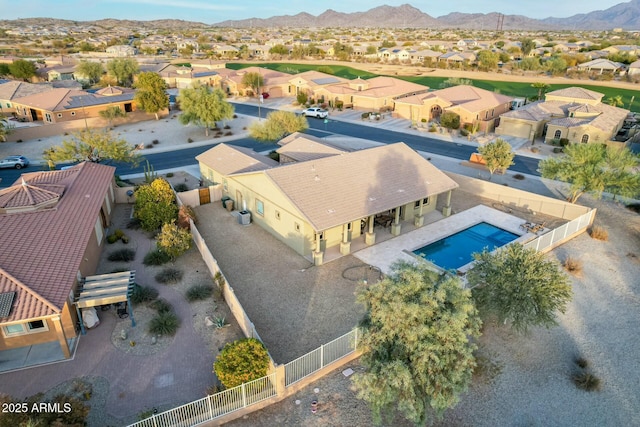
370 236
64 345
418 219
82 330
396 226
318 255
345 245
446 210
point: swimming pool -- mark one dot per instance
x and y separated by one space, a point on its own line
456 250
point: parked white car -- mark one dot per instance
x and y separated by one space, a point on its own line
318 113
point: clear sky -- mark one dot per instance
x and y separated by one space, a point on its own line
213 11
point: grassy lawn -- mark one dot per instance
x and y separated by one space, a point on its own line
517 89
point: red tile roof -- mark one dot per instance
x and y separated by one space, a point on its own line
44 248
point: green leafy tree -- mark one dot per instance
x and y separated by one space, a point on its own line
277 125
5 129
91 70
527 45
488 60
155 204
557 66
519 286
450 120
371 50
418 333
542 88
254 81
111 113
204 106
92 146
497 155
279 50
530 64
594 168
22 69
123 69
4 70
174 240
302 98
151 93
241 361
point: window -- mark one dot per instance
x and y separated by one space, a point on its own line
73 113
47 117
25 328
259 207
425 201
59 115
557 134
277 214
585 138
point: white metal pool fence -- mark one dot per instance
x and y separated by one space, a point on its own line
319 358
247 394
551 239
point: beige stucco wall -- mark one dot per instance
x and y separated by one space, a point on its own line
574 135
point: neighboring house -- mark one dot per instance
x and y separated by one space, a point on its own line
122 50
475 106
275 83
54 224
11 90
59 73
457 57
329 199
61 105
182 76
601 65
634 68
574 113
375 94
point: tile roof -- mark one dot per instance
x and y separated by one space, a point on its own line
470 98
63 99
27 197
335 190
304 147
228 160
48 245
575 92
383 86
14 89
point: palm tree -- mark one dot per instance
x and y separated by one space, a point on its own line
4 128
542 88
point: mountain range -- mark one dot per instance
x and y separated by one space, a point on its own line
623 15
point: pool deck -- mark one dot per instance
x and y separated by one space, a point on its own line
384 254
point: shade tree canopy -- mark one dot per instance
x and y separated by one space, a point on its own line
151 95
94 146
277 125
204 106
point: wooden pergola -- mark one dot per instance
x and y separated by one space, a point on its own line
105 289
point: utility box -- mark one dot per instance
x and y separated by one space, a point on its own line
244 217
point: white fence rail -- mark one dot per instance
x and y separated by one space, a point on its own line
550 239
320 357
215 405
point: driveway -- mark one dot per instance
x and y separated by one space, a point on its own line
294 305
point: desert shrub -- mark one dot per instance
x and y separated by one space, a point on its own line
199 292
226 127
364 115
274 155
164 323
241 361
229 133
134 224
112 238
143 294
174 240
156 257
169 276
464 132
122 255
189 140
518 176
148 146
170 175
124 239
599 233
161 305
581 362
155 141
634 207
557 150
181 187
572 265
586 381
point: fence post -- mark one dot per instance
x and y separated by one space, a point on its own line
153 418
210 408
281 380
322 356
355 345
244 396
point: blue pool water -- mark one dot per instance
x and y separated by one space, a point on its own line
452 252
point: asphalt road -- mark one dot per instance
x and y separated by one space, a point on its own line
185 156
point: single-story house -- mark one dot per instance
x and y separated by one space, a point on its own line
475 106
574 113
328 198
53 226
61 105
10 90
601 65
